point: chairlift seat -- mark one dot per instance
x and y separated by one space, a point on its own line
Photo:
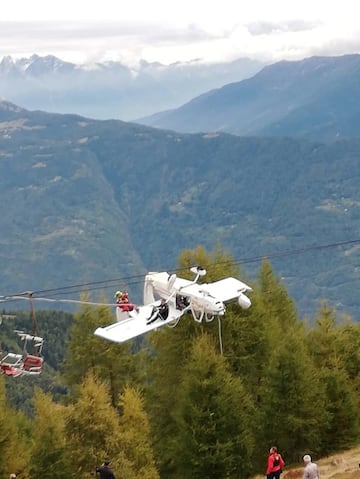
10 370
33 363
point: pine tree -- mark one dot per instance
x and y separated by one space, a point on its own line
348 346
49 454
322 339
292 398
5 428
275 299
252 337
330 346
14 436
342 426
170 351
246 339
135 437
92 428
214 417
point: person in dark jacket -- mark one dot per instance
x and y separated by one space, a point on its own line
161 312
275 464
104 471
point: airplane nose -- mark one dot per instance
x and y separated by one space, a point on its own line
244 301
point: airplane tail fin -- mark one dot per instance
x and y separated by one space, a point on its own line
148 290
171 282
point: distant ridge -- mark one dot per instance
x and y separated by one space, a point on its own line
111 89
316 98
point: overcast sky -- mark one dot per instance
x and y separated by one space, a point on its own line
179 30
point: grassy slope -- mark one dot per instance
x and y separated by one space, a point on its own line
342 465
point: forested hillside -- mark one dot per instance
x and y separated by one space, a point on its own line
85 201
176 407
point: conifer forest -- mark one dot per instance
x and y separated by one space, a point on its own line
199 400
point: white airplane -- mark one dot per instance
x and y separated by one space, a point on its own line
204 301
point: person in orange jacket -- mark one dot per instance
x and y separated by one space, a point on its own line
275 464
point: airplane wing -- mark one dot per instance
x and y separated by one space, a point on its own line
226 289
135 325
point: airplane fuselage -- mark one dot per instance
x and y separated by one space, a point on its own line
207 304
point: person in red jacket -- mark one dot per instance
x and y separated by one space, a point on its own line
122 301
275 464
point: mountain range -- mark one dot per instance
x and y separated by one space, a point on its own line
111 89
85 201
316 98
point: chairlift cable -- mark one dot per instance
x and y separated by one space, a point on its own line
137 279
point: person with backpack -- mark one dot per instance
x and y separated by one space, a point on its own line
275 464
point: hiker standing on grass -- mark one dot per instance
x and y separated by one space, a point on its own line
275 464
311 470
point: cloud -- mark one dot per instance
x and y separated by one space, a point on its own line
75 34
270 28
211 38
129 42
